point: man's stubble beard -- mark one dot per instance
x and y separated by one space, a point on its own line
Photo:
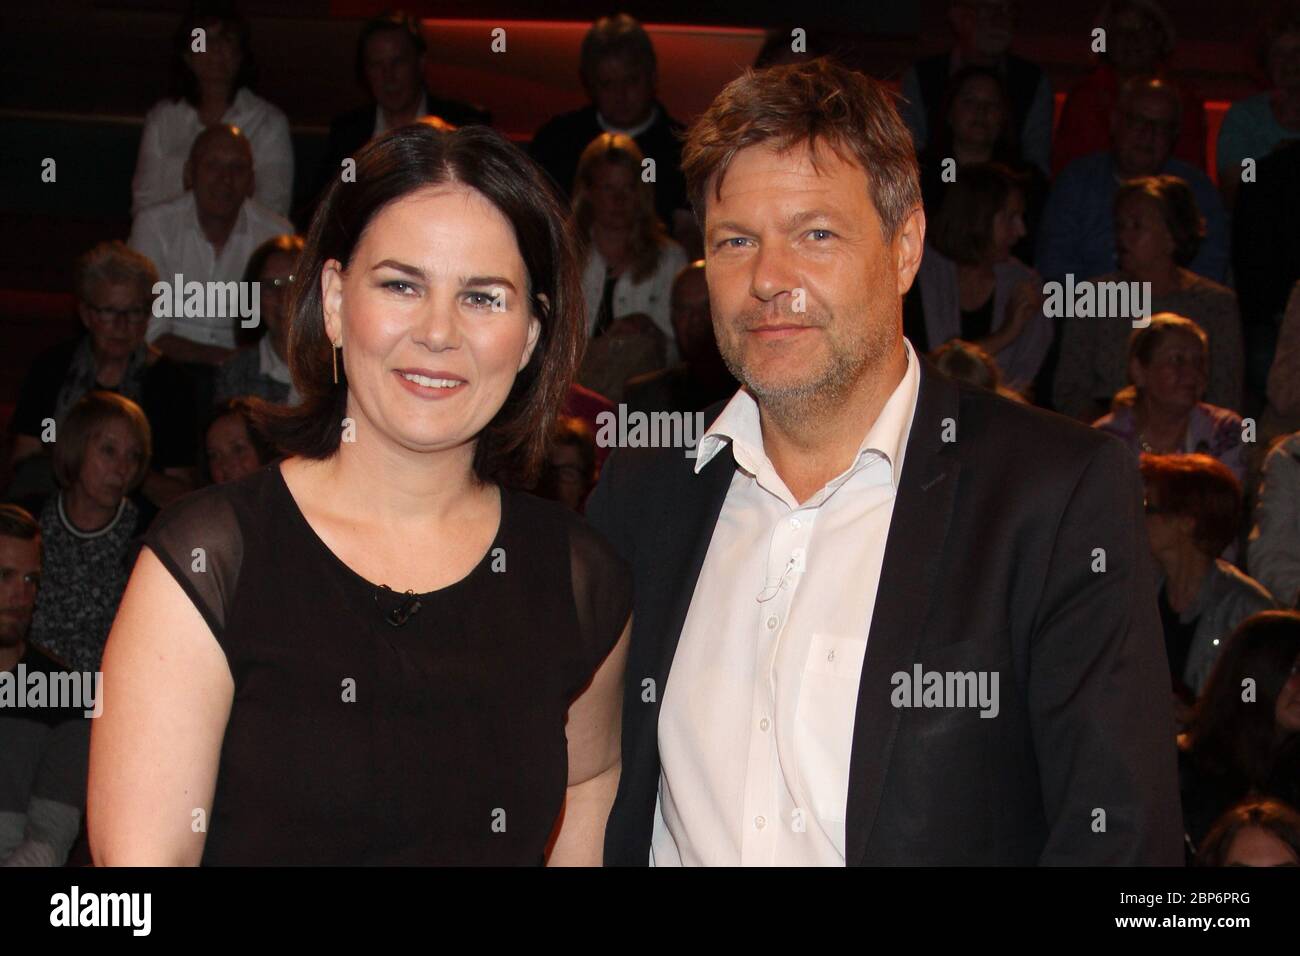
798 403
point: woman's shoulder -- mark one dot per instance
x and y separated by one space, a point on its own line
249 103
1014 270
168 109
1199 287
1252 110
672 256
1219 419
214 513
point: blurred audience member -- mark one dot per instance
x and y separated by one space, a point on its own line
977 129
570 471
1273 554
983 34
43 751
1244 734
701 377
114 290
1158 229
232 445
971 287
1254 126
632 346
212 87
391 62
629 261
87 527
206 235
587 405
1256 832
619 72
1139 43
1193 508
968 363
1077 233
263 369
1161 411
1266 267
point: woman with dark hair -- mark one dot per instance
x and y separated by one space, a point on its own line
262 370
1158 230
629 263
1245 733
1256 832
233 448
213 71
978 129
1193 515
382 653
971 287
1161 410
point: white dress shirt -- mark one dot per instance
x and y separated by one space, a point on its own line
170 129
756 721
170 235
653 296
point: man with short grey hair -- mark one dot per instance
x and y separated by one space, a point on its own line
880 617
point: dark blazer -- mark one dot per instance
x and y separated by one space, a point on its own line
989 566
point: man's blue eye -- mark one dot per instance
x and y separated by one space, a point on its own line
825 232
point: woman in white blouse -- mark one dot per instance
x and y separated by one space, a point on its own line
630 263
212 87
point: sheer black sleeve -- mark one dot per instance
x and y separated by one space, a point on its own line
602 592
199 541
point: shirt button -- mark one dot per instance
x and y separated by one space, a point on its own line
764 724
772 622
760 822
796 523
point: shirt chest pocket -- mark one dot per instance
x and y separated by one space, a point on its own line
828 701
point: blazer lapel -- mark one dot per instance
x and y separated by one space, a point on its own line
917 531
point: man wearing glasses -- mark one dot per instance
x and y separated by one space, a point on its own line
113 286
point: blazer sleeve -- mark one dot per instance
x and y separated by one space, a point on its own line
1100 695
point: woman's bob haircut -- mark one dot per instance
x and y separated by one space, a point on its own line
511 447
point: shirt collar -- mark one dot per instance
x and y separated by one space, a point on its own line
739 424
633 131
